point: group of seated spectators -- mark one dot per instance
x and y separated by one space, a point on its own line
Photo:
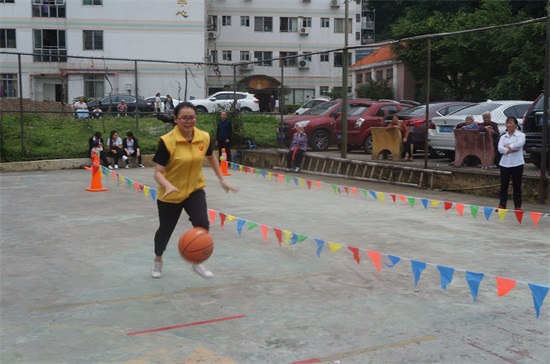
116 148
80 107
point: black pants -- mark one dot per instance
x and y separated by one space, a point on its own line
516 173
118 155
297 158
169 214
227 146
133 155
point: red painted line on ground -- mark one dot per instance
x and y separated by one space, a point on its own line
185 325
314 360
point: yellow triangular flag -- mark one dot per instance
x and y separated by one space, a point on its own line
269 176
380 196
301 182
146 191
240 168
287 234
334 247
230 218
502 213
435 203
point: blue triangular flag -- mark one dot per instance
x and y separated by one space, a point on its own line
373 194
394 261
488 211
153 194
240 224
320 245
424 202
446 276
417 268
474 279
293 239
296 181
539 293
264 174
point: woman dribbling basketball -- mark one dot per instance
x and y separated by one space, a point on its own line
178 171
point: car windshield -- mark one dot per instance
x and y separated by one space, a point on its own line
417 110
309 104
321 108
477 109
357 110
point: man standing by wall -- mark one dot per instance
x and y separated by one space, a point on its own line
224 133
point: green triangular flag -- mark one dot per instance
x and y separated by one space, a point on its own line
474 209
411 201
251 225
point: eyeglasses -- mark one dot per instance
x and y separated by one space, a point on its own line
188 118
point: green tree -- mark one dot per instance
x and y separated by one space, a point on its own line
379 89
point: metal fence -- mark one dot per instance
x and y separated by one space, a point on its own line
35 86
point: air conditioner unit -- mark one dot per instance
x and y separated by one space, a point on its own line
247 67
335 3
212 35
303 64
304 31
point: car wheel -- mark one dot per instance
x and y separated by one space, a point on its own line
320 140
367 145
246 110
436 153
201 110
450 154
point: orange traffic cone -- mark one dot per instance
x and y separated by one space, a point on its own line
96 176
223 164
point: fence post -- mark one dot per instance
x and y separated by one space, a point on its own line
137 108
20 76
428 66
282 102
543 185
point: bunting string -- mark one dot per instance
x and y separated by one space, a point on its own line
291 239
448 206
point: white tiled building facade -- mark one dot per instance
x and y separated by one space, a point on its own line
224 31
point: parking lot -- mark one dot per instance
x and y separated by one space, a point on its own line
76 285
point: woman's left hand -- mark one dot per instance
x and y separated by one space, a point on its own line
227 187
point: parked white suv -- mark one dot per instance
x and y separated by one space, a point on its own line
223 100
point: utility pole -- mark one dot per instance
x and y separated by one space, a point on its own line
344 148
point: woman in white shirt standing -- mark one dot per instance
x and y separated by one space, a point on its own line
510 145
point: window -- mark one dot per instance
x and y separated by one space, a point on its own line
389 74
288 62
263 24
339 25
48 8
93 39
306 22
289 25
264 58
8 84
325 23
226 55
338 59
94 86
245 21
226 20
306 56
49 45
379 75
357 35
324 90
245 56
324 57
359 78
214 56
7 1
368 76
212 23
7 38
92 2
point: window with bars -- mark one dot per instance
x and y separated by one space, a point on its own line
245 21
306 22
325 23
214 56
324 90
7 1
94 86
226 55
7 38
49 45
389 74
359 78
264 58
288 25
288 62
48 8
92 2
263 24
8 84
93 39
226 20
379 75
324 57
245 56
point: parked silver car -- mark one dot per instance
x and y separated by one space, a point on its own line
442 138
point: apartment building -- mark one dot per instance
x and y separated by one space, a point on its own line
72 43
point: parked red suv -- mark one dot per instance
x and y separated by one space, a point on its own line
361 118
318 123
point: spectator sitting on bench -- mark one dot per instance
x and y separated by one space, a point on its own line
131 149
79 105
122 108
468 124
97 113
114 144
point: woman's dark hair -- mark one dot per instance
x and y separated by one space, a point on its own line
112 133
183 104
158 94
129 134
97 134
514 120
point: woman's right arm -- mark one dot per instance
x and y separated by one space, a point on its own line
161 180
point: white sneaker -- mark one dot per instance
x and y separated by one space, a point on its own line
127 166
116 166
141 166
156 272
202 271
125 158
110 166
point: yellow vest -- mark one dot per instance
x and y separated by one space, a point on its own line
184 169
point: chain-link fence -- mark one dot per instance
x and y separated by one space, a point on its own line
39 92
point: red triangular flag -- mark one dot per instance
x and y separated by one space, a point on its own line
212 215
460 208
504 285
375 257
265 229
222 218
402 198
393 197
308 182
281 177
346 189
535 216
519 215
279 235
355 252
447 205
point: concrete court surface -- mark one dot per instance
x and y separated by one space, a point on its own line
76 285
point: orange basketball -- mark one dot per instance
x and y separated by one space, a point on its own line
196 245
